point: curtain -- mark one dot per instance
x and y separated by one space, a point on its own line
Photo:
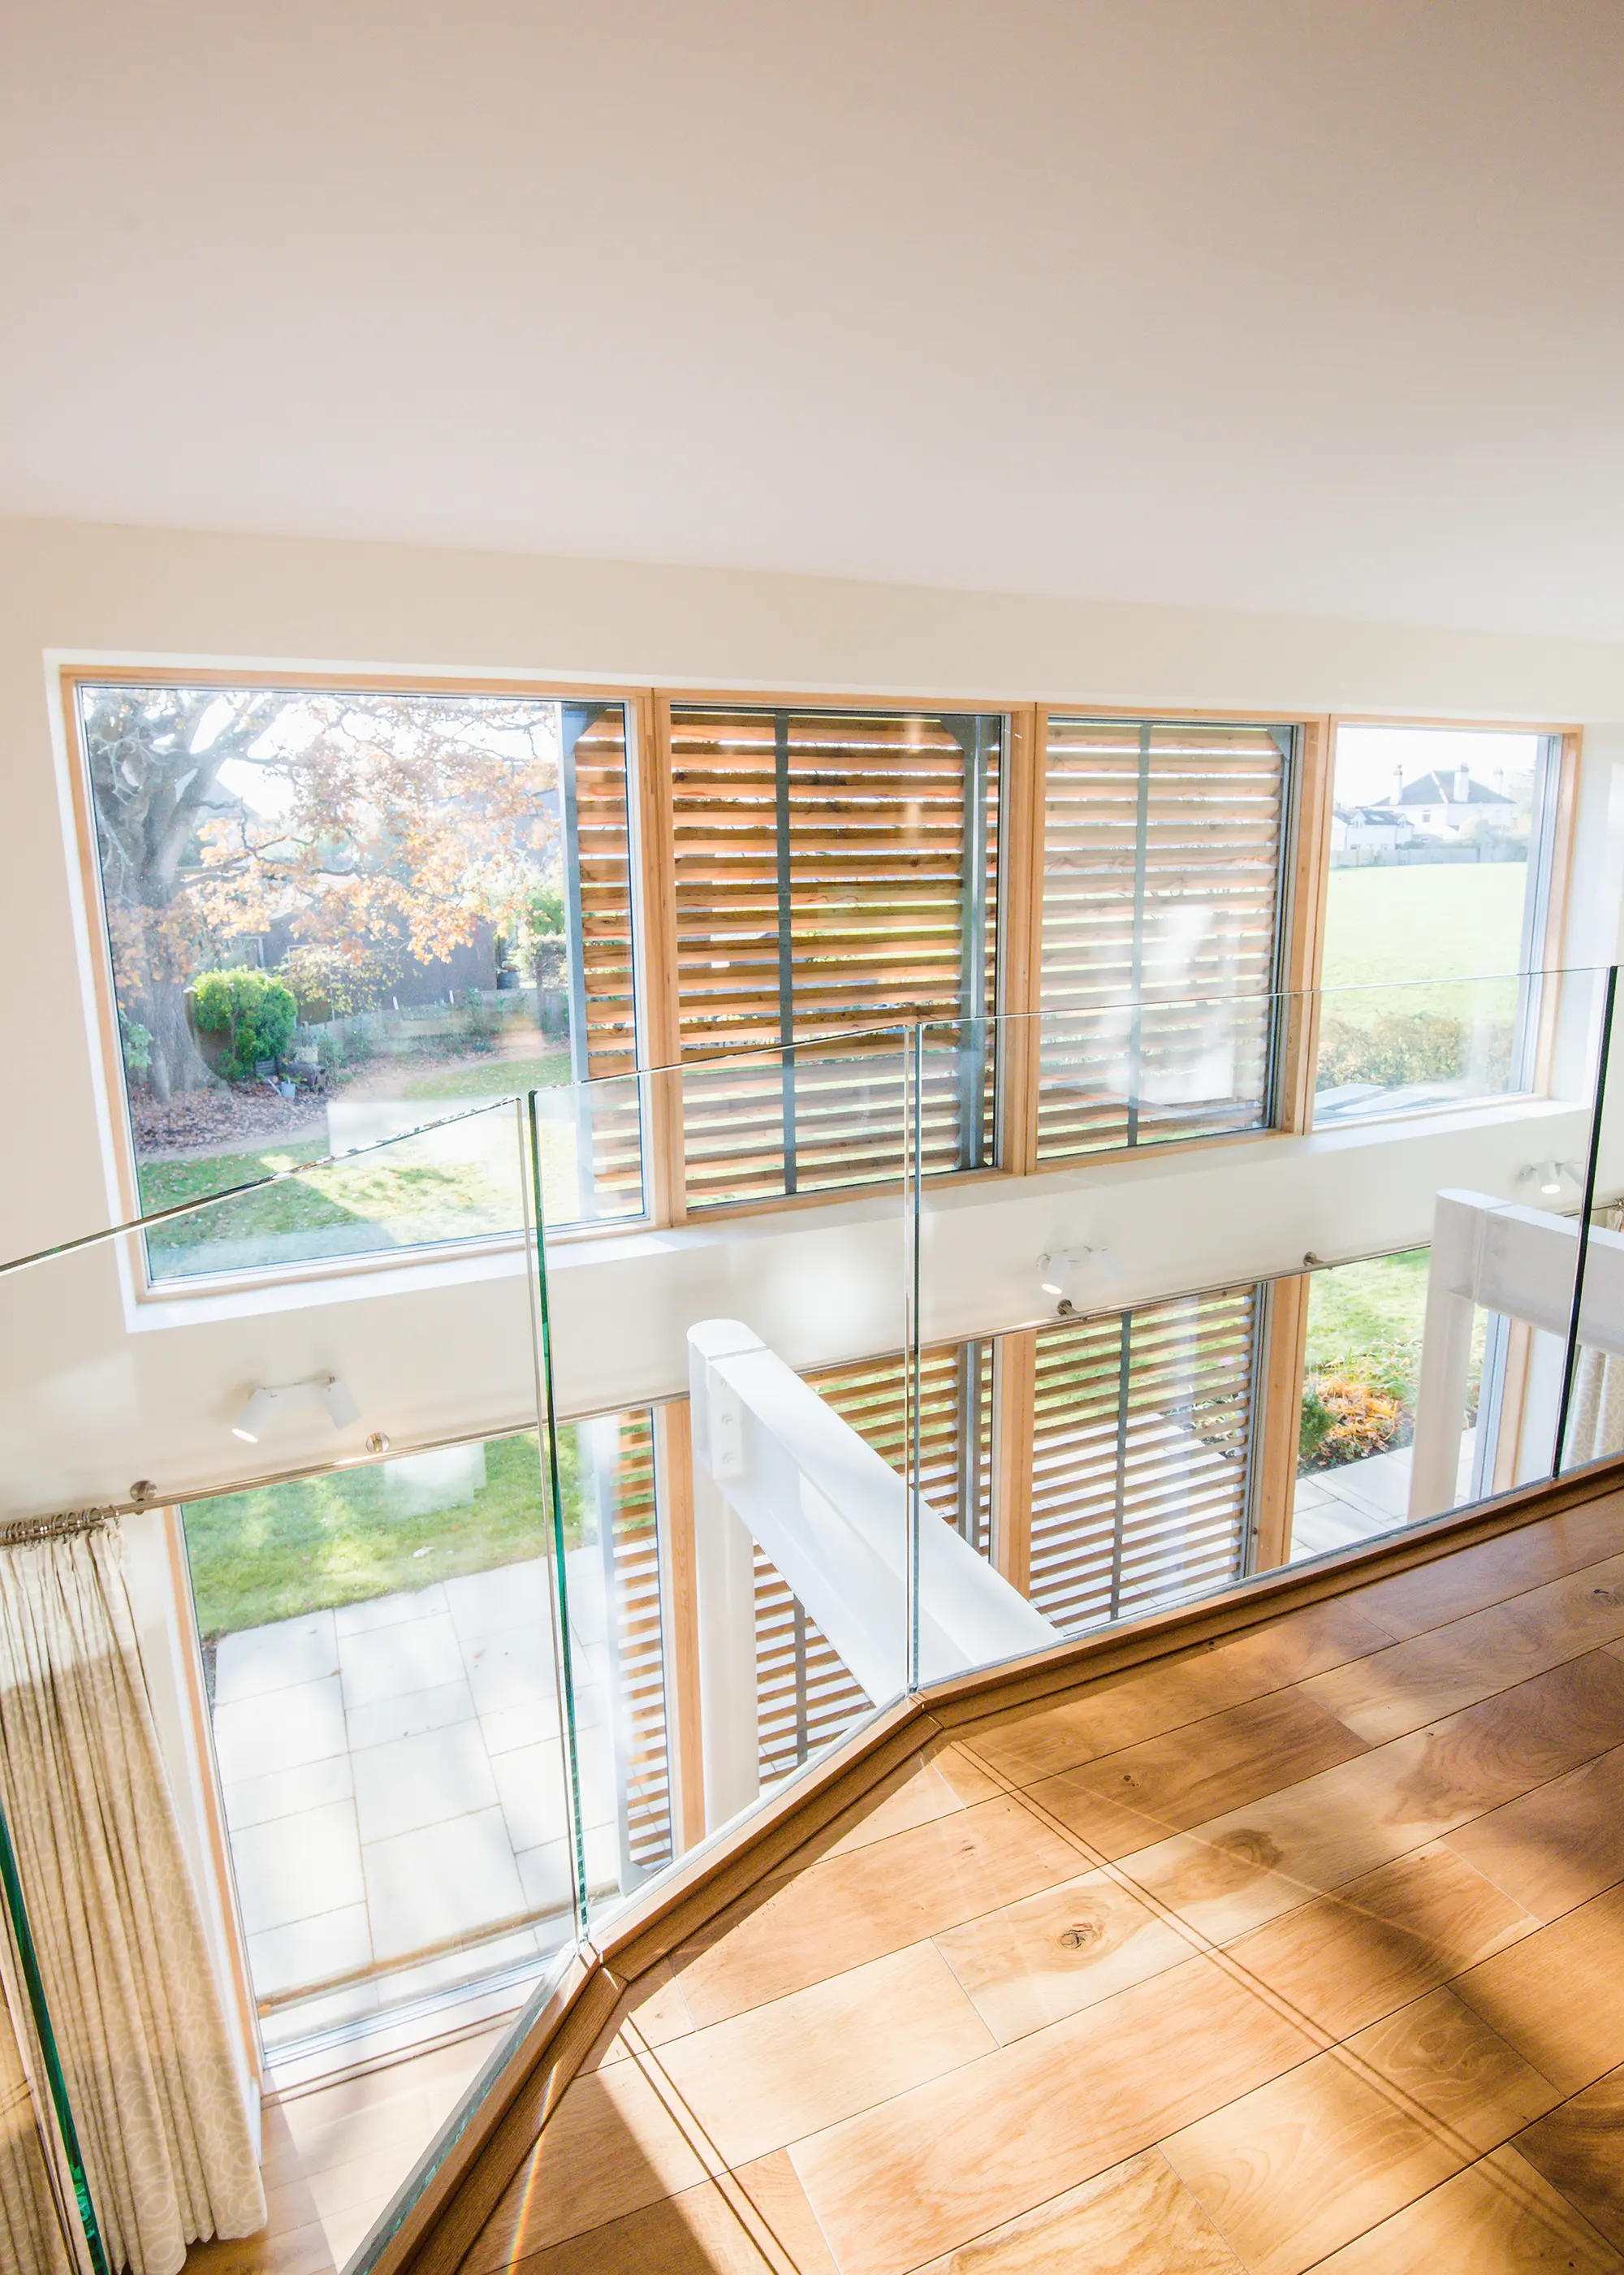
31 2240
128 1985
1596 1424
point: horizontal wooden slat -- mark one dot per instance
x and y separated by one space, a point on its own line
1164 842
874 843
1140 1443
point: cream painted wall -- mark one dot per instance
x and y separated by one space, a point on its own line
85 592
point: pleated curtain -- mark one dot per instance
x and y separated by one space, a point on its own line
31 2237
119 1936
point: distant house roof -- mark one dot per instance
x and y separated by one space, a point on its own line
1380 816
1438 789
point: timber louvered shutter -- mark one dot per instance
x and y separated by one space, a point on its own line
622 1477
834 872
1141 1455
1164 849
600 964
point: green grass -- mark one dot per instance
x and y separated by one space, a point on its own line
1377 1306
493 1078
1376 1310
383 1199
1432 921
315 1543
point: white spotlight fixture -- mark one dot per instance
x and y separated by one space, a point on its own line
270 1399
1550 1175
252 1423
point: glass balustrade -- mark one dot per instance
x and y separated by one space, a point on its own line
514 1505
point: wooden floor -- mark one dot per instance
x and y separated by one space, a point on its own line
335 2154
1305 1951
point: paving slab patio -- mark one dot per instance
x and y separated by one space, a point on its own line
394 1788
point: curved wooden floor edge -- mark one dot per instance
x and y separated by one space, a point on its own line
506 2108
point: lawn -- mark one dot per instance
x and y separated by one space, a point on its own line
315 1542
1366 1320
393 1196
1434 920
1377 1306
493 1078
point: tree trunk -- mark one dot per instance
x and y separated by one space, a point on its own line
176 1061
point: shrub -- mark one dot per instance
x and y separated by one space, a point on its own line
252 1009
1397 1047
481 1025
136 1041
1356 1406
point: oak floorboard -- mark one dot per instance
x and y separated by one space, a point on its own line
617 2142
1125 1801
752 2221
1291 2172
801 2063
1451 1588
1499 2216
1028 1743
1579 2147
1345 1960
1558 1996
926 2173
298 2251
1246 1867
917 1794
1555 1848
1443 2058
1439 1672
1138 2219
842 1911
1050 1955
652 2012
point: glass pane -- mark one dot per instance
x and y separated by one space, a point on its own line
1112 1437
1439 865
1362 1371
732 1406
835 873
339 1543
1164 848
1414 1047
332 916
1589 1402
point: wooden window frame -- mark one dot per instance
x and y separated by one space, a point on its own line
1306 854
648 710
104 1014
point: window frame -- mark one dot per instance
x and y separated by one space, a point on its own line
1545 907
118 1130
1015 936
1304 853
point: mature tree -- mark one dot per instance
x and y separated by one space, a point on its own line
377 824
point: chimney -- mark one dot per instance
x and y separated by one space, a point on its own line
1463 785
1398 783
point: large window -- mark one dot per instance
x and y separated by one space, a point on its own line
1165 847
1441 853
835 873
336 915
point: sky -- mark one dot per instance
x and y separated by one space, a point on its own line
1367 757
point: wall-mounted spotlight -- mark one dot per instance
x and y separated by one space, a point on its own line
1550 1175
271 1399
1058 1269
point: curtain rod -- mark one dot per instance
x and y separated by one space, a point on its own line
21 1530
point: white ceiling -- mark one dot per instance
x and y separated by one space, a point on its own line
1271 304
